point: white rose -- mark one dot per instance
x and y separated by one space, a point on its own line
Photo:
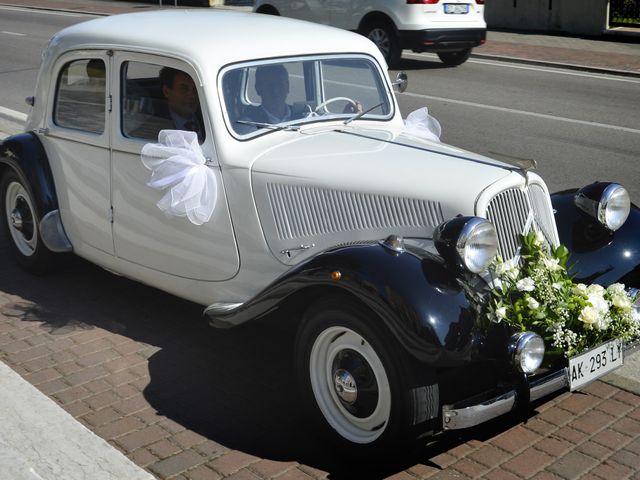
557 286
622 301
551 264
526 285
598 302
595 288
589 316
580 289
616 289
501 313
532 303
539 240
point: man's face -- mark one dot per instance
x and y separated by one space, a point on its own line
273 86
182 97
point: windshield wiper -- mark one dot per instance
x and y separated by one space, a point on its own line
361 114
271 126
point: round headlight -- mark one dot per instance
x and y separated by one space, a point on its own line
614 207
471 242
477 245
527 351
609 203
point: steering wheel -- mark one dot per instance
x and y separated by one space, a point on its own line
335 99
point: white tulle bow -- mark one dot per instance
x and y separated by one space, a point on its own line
177 163
421 124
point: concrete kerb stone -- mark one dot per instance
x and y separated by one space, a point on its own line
13 116
546 63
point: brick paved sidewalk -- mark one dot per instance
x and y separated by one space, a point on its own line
142 370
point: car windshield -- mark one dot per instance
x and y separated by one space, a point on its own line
265 96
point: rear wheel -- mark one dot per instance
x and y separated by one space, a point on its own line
353 385
384 36
20 217
455 58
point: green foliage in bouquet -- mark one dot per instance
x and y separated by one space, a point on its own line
536 293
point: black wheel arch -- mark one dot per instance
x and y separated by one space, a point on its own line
376 18
25 154
597 254
417 298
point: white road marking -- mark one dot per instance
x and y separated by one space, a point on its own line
13 33
44 12
523 112
558 70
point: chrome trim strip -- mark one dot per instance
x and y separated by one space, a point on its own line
547 385
453 419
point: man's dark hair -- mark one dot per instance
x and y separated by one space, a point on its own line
168 75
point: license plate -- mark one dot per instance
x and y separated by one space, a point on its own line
456 8
594 363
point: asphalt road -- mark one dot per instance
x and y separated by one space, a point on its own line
579 127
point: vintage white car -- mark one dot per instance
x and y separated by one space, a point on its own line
244 162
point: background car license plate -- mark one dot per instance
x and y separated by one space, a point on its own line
594 363
460 8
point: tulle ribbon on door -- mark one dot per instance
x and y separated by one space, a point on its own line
178 165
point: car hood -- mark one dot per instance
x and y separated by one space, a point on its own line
328 187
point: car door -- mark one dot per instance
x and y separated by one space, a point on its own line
76 139
143 234
311 10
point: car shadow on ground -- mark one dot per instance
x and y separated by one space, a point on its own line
409 64
235 387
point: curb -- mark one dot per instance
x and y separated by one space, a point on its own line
547 63
12 115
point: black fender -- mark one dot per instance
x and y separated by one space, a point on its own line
417 297
25 154
598 255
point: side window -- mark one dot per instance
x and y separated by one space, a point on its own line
158 98
80 96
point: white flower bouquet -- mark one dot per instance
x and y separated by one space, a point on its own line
536 293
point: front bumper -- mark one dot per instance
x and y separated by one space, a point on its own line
458 416
442 40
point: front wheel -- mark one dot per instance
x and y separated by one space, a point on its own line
454 59
353 385
19 215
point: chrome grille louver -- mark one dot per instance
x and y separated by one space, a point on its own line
309 212
516 211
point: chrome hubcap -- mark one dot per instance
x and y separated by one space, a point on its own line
20 216
16 219
350 384
345 386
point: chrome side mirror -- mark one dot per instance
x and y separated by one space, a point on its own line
401 82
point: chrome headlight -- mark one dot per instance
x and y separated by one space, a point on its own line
470 242
609 203
526 350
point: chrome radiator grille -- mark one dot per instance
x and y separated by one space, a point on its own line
309 212
515 212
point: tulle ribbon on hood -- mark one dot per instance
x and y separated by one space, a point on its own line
421 124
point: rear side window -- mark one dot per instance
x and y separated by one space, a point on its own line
80 96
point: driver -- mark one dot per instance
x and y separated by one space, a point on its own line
272 86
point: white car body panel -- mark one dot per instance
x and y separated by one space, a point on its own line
237 254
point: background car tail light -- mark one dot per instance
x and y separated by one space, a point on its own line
480 2
426 2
